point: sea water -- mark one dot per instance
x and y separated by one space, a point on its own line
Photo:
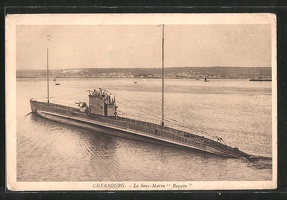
238 111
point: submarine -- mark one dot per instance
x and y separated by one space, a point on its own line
100 114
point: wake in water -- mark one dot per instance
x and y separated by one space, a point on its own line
260 162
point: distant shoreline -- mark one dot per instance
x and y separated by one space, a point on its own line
155 73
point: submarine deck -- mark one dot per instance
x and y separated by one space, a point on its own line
138 127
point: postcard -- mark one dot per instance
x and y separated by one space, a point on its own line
141 102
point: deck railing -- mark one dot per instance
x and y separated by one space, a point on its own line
155 130
148 128
68 107
162 132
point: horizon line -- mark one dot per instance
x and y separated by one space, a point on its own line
147 67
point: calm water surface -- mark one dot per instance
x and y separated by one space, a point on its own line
237 111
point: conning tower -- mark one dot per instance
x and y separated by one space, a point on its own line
102 102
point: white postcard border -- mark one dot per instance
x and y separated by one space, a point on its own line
91 19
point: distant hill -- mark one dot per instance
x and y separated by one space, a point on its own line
171 72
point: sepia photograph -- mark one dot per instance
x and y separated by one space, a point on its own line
120 102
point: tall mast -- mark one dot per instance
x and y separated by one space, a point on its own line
48 91
48 75
162 79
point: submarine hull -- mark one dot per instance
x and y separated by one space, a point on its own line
132 129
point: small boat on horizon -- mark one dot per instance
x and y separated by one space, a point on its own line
260 78
55 80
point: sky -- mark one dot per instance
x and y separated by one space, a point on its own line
140 46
